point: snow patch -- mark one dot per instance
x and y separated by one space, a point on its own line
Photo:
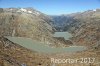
29 11
94 10
36 13
24 10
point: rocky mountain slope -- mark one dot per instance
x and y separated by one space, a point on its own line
29 23
24 22
62 22
86 29
84 26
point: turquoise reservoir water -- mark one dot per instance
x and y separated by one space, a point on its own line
66 35
39 47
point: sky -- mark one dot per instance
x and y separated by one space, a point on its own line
53 7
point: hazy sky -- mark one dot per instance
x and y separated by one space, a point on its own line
53 7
